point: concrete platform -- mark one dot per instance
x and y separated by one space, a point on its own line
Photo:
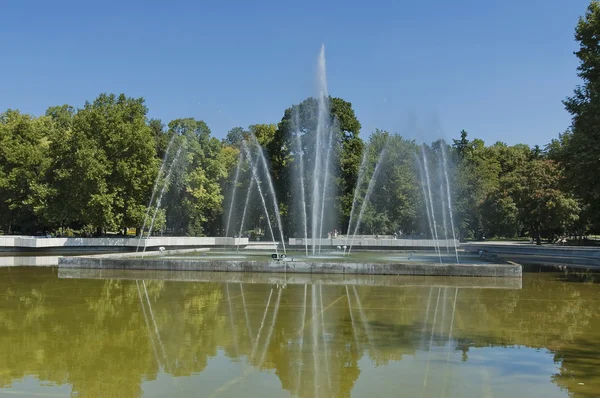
293 278
290 267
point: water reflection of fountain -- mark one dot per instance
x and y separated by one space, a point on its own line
323 375
352 318
148 325
301 336
431 342
315 346
233 332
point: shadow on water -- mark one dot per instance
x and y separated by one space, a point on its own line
120 337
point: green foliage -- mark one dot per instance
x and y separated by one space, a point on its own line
579 149
299 123
195 198
107 153
396 184
24 143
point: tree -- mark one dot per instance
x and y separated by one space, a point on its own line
24 142
299 124
583 145
161 137
195 198
393 204
543 208
104 163
462 146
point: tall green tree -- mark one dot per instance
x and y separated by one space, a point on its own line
24 160
299 124
543 207
106 158
195 198
583 165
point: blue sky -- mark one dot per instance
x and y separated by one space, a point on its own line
498 69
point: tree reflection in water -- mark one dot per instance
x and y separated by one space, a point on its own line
108 337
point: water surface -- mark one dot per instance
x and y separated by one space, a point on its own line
153 338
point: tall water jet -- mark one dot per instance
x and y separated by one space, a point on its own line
359 181
326 180
271 189
426 199
363 207
262 197
248 193
428 183
449 201
443 206
300 152
323 112
155 189
162 193
235 183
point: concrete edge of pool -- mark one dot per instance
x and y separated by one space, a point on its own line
294 278
290 267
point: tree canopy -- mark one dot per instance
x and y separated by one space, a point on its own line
96 169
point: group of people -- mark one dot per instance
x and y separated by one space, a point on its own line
333 234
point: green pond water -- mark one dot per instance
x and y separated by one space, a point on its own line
120 337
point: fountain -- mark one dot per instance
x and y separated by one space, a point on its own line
449 198
314 150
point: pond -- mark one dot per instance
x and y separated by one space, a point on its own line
135 335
